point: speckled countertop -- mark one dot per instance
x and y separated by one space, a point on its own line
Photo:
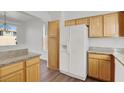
101 50
14 59
118 53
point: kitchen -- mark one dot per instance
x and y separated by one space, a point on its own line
100 38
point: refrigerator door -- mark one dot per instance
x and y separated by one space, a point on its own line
78 50
64 50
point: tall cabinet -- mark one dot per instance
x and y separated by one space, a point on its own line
53 45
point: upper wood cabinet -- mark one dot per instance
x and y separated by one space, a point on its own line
111 24
96 26
82 21
70 22
77 21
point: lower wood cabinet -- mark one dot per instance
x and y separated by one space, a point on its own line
105 70
33 73
13 72
33 70
24 71
93 68
14 77
101 66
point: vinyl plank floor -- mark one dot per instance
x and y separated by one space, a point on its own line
48 75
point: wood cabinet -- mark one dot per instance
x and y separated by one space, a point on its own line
111 25
93 68
96 26
101 66
28 70
12 73
33 69
70 22
14 77
53 45
82 21
105 70
78 21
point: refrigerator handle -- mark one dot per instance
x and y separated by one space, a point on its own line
68 47
68 44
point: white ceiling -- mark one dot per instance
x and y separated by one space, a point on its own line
23 16
17 16
55 15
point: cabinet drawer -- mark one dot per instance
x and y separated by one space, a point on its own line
11 68
32 61
100 56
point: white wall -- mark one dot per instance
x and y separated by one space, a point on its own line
20 39
107 42
34 35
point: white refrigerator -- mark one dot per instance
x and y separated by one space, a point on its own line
73 51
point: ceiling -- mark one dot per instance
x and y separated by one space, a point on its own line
54 14
45 16
23 16
17 16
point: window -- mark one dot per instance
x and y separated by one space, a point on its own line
8 36
45 42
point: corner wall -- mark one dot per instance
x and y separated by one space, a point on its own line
34 35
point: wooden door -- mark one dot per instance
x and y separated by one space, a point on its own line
111 25
33 73
15 77
105 70
53 45
96 26
93 68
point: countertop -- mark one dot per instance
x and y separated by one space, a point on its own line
118 53
7 61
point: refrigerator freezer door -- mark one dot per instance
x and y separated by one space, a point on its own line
64 64
64 50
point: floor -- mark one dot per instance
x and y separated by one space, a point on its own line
48 75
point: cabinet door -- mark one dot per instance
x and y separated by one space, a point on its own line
82 21
15 77
96 26
53 45
111 25
93 68
70 22
105 70
33 73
